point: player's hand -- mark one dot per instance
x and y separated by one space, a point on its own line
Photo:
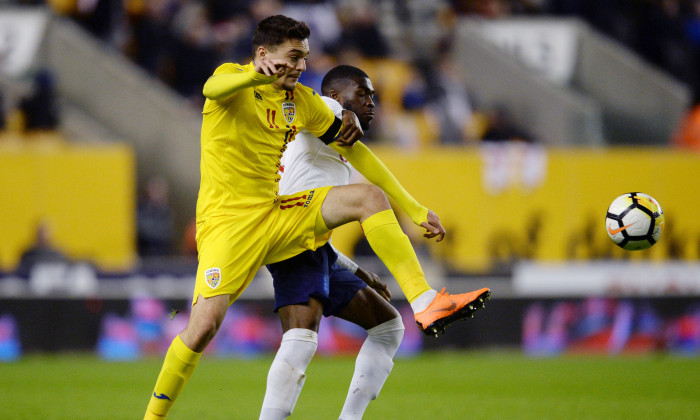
374 282
433 227
272 67
351 131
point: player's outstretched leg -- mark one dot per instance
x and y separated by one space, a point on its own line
433 310
445 308
368 205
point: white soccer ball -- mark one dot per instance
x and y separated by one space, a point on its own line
634 221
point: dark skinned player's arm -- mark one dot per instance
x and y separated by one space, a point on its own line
372 168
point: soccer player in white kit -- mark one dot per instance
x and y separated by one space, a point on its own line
325 282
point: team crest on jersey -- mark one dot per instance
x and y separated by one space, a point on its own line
213 277
289 110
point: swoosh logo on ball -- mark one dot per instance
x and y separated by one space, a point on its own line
618 230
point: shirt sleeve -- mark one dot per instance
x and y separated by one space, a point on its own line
229 78
334 106
322 121
345 262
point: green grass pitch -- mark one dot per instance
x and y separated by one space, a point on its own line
444 385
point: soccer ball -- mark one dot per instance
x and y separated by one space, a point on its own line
634 221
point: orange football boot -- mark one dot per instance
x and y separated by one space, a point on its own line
447 308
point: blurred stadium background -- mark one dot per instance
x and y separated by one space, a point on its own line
518 122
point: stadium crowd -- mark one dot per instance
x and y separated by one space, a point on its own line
181 41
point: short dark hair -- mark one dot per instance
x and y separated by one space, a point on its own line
274 30
340 75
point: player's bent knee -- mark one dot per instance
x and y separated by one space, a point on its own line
389 333
381 310
394 314
201 329
373 199
374 194
198 336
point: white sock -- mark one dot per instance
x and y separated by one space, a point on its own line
423 300
373 365
286 376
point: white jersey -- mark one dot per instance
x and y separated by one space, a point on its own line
309 163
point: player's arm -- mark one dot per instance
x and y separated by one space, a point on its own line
372 168
331 123
220 87
350 132
345 131
344 261
371 279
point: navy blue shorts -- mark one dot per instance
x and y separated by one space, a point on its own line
314 273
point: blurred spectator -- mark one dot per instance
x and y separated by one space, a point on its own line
316 69
401 94
663 40
39 107
233 39
360 28
148 35
501 127
2 111
692 23
189 239
688 135
322 19
155 220
226 10
260 9
97 16
692 33
42 250
449 101
415 94
412 126
194 55
238 48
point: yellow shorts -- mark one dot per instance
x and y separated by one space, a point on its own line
233 247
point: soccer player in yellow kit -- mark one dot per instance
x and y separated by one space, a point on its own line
251 113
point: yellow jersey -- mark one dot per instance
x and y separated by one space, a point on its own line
244 136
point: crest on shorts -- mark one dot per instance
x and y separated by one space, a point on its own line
213 277
289 110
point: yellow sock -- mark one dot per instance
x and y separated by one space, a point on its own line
392 246
177 369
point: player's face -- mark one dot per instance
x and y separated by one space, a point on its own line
292 52
358 97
